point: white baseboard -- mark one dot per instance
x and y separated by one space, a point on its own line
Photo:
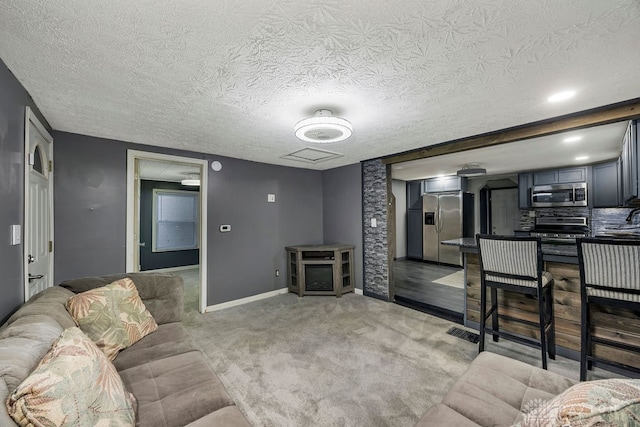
172 269
358 291
246 300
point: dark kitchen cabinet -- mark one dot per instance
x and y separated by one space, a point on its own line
606 185
629 160
414 194
525 182
414 233
447 183
560 176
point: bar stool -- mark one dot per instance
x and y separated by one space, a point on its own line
515 264
609 276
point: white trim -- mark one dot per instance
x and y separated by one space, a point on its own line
31 118
204 174
358 291
246 300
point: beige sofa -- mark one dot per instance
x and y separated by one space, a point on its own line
170 378
494 391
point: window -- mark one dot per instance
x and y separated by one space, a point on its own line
175 220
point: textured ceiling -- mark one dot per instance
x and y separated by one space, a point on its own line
233 77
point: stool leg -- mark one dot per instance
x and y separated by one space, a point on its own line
542 321
551 319
584 341
494 317
483 315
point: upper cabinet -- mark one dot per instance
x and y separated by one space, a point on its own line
446 183
629 163
606 188
560 176
525 182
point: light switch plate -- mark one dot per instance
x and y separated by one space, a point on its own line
16 234
271 198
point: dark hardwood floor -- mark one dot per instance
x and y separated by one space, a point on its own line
415 287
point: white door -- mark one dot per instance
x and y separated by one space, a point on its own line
38 222
505 213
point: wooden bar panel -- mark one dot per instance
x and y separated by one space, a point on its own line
610 323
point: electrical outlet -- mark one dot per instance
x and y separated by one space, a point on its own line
374 222
277 273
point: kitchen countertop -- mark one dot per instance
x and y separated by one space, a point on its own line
550 252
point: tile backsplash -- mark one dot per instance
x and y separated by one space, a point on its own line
601 220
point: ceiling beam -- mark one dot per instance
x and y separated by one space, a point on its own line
627 110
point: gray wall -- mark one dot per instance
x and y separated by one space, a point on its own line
342 210
90 215
13 100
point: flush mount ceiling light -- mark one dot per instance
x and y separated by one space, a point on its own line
192 180
323 128
471 169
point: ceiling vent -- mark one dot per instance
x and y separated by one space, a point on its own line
312 155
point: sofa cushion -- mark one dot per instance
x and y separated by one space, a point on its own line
601 402
169 339
22 344
175 390
161 293
113 316
229 416
50 302
74 384
496 389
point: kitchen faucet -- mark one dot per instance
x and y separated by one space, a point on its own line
630 216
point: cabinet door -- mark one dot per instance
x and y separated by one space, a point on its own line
451 183
414 194
566 176
414 233
525 182
434 185
604 187
545 177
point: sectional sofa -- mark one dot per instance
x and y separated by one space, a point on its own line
169 377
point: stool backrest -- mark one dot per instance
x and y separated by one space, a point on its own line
510 257
610 268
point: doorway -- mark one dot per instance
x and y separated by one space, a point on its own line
175 217
38 206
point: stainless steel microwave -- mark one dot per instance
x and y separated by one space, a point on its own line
545 196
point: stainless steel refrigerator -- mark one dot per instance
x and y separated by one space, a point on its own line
446 216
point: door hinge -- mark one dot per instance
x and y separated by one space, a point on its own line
50 246
50 165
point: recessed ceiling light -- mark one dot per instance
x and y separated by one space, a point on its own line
572 139
582 157
561 96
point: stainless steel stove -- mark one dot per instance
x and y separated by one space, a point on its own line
560 229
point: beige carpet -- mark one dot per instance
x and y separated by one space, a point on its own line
455 280
350 361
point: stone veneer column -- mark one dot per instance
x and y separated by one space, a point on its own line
376 249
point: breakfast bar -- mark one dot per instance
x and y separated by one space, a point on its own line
562 262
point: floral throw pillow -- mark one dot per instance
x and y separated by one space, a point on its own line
611 402
113 316
73 385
